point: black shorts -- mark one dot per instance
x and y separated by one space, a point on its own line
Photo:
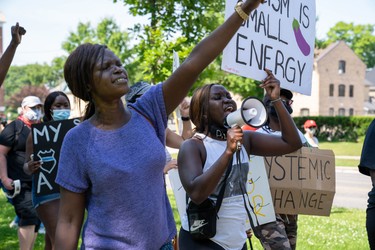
23 206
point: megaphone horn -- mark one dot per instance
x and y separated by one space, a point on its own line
252 112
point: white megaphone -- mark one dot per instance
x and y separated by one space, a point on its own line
252 112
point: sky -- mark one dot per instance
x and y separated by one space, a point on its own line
49 22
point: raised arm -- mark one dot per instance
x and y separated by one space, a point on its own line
271 145
7 58
178 84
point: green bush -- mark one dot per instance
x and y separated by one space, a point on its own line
337 128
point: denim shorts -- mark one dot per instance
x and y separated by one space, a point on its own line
39 200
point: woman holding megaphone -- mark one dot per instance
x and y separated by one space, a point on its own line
203 161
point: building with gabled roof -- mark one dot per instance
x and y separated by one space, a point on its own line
338 84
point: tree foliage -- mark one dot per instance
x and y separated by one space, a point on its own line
28 75
360 38
15 100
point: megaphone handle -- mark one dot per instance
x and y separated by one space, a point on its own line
239 145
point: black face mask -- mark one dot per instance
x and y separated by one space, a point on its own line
274 113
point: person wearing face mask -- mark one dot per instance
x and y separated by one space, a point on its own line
282 233
12 156
310 130
56 108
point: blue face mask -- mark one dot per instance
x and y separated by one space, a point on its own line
60 114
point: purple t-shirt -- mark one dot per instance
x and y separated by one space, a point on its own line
121 172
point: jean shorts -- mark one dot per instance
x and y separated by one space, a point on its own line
39 200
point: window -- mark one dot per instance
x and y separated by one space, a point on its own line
305 112
341 90
331 112
351 90
342 67
341 112
351 112
331 89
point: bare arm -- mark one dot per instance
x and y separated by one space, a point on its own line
7 58
6 181
270 145
31 165
69 223
173 140
187 131
178 84
191 158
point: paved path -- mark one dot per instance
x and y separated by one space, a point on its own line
352 188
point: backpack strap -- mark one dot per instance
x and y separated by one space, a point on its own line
222 189
18 127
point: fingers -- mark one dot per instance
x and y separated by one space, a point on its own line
234 138
33 166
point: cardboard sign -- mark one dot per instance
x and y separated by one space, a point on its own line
302 182
280 36
47 141
259 193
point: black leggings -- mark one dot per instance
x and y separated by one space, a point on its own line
186 242
370 226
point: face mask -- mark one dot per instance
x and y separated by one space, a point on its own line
274 113
33 115
312 130
60 114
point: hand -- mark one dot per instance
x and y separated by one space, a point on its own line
271 85
249 233
234 136
7 183
17 33
184 108
34 166
171 164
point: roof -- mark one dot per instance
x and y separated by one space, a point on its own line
331 47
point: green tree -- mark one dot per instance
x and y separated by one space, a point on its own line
28 75
360 38
191 20
107 32
15 100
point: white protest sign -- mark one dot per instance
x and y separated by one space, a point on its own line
280 36
178 191
259 193
176 61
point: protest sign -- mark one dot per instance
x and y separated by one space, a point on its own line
178 191
302 182
47 140
259 193
280 36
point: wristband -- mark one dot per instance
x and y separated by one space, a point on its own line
240 11
276 100
185 119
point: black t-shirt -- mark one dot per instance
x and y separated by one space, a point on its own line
16 156
367 161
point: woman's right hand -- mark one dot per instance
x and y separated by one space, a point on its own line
234 138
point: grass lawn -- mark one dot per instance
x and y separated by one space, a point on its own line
343 229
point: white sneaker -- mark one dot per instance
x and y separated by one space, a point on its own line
13 224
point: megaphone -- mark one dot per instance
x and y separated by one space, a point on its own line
252 112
